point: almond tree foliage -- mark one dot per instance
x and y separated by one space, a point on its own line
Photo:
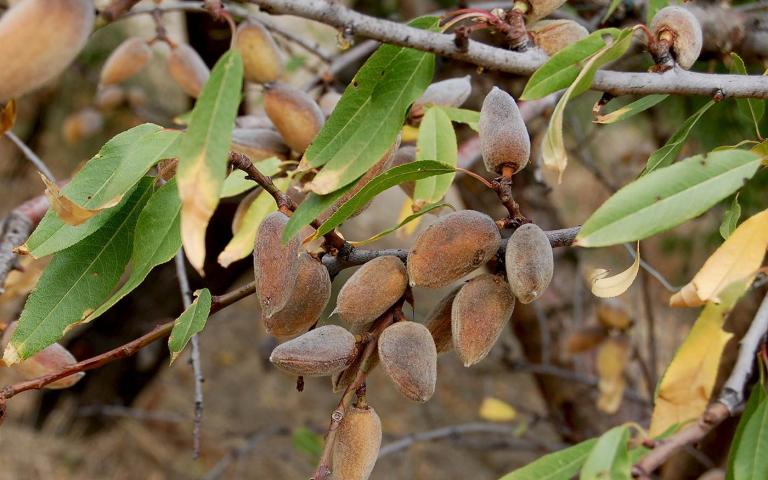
313 157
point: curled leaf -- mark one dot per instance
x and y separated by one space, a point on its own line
604 286
70 212
737 259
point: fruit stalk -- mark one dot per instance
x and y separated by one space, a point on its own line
323 470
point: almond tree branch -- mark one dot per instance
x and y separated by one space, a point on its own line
673 81
31 155
730 400
14 231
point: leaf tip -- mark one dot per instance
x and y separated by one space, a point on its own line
11 355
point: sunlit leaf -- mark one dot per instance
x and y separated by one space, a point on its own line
554 154
241 244
437 141
560 465
191 322
203 153
667 154
156 240
470 118
394 176
606 287
737 259
687 384
369 114
495 410
562 68
630 110
403 222
609 459
668 197
78 280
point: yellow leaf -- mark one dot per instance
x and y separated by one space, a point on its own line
495 410
737 259
199 191
687 384
612 359
405 212
410 134
70 212
604 286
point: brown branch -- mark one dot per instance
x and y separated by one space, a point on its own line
14 231
674 81
116 8
324 465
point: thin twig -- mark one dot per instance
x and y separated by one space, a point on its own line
454 431
186 298
674 81
652 271
31 155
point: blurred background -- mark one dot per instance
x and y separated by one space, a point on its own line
541 388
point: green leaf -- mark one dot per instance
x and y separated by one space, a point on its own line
156 240
630 110
77 280
241 244
609 459
312 206
111 173
403 173
561 465
756 399
307 441
667 154
668 197
751 108
470 118
437 141
554 154
731 218
237 183
751 460
405 221
563 67
370 114
204 149
652 7
611 8
191 322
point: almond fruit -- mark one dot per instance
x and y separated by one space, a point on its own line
409 356
276 265
529 262
188 69
126 61
323 351
504 139
371 290
262 60
357 444
295 114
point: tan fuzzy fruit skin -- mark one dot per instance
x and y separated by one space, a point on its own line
452 92
317 353
480 312
262 60
188 70
371 290
409 356
554 35
259 143
295 114
541 8
310 296
438 322
384 163
529 262
51 359
38 41
276 265
452 247
109 98
126 61
357 444
688 38
503 137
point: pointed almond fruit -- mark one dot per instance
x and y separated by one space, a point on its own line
188 69
276 265
438 322
295 114
480 312
127 60
453 246
357 444
408 355
371 290
529 262
262 60
504 138
323 351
